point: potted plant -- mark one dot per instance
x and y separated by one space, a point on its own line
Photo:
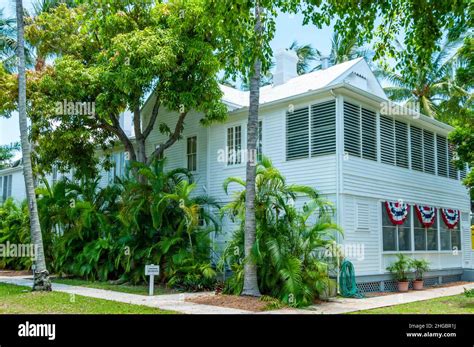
400 269
420 266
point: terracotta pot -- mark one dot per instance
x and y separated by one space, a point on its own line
418 284
403 286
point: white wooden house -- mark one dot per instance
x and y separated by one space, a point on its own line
334 130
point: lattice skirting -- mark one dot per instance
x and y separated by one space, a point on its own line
391 285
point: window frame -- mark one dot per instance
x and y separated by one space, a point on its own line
243 138
189 154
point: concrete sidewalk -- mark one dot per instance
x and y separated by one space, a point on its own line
176 302
343 305
171 302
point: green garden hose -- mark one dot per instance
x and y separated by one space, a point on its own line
347 281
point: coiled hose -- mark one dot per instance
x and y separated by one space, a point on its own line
347 282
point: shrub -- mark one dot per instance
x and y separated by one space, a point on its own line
400 268
14 230
420 266
290 243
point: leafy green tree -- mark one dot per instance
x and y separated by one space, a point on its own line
430 86
114 56
290 248
7 152
306 55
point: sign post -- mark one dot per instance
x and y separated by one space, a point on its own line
152 270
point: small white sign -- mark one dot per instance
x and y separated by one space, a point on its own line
152 270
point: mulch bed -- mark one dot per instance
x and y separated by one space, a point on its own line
232 301
13 273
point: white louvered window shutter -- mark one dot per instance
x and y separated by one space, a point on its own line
442 154
369 135
453 171
387 140
352 129
401 144
362 214
416 148
463 172
323 128
10 183
297 134
428 152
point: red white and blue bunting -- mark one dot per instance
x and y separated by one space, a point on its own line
450 217
426 215
397 211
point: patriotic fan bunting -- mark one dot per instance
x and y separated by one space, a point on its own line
450 217
397 212
426 215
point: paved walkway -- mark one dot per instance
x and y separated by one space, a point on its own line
343 305
176 302
171 302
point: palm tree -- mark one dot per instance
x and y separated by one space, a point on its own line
306 54
426 88
41 275
345 48
7 41
250 268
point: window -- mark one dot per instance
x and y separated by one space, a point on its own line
453 172
387 140
450 238
416 139
360 131
6 187
191 153
428 152
426 239
234 145
395 237
323 128
118 166
442 154
297 134
351 129
401 140
260 141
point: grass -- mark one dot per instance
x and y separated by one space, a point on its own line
21 300
457 304
123 288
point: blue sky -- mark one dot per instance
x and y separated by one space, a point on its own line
288 29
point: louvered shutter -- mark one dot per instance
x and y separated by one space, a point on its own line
463 172
297 134
453 172
387 140
323 128
401 144
351 129
441 148
429 152
369 135
416 149
10 183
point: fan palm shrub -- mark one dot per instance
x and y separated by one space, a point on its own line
291 243
166 223
14 230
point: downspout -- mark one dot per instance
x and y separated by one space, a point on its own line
338 172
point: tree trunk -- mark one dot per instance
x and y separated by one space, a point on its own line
41 276
250 268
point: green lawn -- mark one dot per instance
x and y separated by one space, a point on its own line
19 299
124 288
457 304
